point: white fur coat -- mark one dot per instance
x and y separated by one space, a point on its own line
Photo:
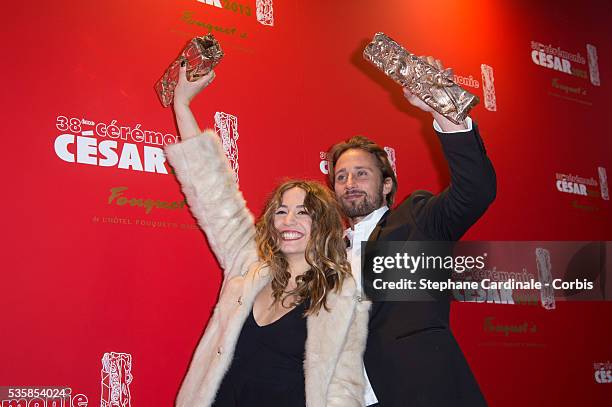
336 339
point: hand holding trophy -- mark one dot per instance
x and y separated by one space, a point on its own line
186 90
421 77
198 59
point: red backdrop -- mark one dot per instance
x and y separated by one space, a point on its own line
84 275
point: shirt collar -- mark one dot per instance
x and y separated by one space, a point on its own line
368 223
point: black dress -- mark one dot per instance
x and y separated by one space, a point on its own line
268 365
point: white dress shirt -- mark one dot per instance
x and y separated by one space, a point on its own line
360 233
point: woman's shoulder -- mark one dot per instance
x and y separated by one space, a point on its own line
349 287
254 276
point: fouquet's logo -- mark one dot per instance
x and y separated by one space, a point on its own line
117 197
491 325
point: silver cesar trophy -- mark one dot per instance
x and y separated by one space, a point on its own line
201 55
428 83
547 292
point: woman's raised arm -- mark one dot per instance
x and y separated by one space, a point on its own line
208 184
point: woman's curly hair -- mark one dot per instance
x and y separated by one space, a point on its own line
325 251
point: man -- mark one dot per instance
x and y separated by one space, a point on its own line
412 358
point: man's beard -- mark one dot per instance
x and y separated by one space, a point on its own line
363 207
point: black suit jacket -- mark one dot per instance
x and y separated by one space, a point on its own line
412 358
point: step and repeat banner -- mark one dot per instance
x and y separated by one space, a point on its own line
107 282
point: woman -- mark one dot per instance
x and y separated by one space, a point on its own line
287 290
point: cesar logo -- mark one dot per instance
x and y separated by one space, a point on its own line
215 3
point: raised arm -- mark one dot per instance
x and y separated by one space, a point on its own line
208 184
448 215
473 186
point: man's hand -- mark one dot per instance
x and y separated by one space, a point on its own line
185 91
443 122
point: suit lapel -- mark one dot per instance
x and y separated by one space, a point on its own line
379 226
374 236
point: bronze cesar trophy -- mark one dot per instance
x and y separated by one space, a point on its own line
201 55
434 87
